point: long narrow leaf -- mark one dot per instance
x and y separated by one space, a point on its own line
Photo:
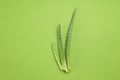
61 49
68 38
56 57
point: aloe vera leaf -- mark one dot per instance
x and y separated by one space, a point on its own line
68 38
61 49
56 57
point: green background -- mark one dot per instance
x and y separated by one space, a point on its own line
27 28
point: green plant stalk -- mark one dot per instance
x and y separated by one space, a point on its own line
63 53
